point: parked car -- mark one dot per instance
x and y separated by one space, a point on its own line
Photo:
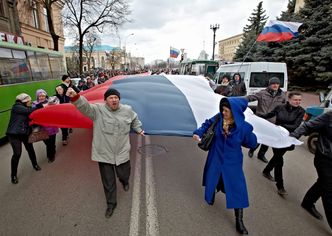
314 111
75 80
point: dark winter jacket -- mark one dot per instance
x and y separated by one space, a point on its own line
19 119
225 90
323 126
267 101
225 157
238 89
287 116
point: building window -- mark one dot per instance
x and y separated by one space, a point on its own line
2 13
35 21
47 28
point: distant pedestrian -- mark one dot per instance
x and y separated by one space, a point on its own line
89 82
323 163
18 132
223 168
112 122
267 100
238 86
82 85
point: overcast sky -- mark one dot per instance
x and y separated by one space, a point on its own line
159 24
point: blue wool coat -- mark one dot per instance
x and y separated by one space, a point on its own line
225 157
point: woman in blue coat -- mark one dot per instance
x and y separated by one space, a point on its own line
223 168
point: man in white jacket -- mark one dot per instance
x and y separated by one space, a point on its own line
112 123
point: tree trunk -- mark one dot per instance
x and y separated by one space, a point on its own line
54 36
81 53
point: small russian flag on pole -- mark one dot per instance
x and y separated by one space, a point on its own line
174 53
279 31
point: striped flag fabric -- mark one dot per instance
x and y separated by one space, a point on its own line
279 31
167 105
174 53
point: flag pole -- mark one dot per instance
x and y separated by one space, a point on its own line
245 57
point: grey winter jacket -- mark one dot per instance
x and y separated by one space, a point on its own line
267 102
111 129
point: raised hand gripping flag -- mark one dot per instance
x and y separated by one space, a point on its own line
174 53
279 31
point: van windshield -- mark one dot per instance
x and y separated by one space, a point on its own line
261 79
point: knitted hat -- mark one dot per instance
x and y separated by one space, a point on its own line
274 80
111 91
23 97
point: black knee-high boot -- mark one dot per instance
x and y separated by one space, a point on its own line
239 221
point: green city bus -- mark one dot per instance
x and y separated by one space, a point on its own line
24 69
199 67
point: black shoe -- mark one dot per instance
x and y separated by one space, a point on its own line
268 176
313 211
282 192
14 179
51 159
262 158
37 167
250 153
109 211
126 187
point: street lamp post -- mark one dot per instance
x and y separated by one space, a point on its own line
125 52
214 28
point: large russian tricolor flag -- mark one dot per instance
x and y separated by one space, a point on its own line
278 31
166 105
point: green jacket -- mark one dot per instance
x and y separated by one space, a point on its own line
110 143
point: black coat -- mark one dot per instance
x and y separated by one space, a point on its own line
323 126
287 116
19 119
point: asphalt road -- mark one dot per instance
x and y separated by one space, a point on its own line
165 197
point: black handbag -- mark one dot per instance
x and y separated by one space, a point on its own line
208 136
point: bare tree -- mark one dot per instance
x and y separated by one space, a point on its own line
48 4
114 58
83 15
90 42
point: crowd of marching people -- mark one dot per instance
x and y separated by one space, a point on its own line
223 168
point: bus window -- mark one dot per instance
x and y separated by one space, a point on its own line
261 79
14 71
6 53
57 66
19 54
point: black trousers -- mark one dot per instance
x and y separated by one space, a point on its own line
107 173
322 187
263 149
50 146
64 132
16 143
276 163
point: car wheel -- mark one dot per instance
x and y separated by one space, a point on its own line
312 142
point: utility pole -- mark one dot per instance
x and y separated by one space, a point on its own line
214 29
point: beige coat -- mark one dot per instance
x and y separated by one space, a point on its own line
110 143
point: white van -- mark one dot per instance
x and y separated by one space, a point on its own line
255 75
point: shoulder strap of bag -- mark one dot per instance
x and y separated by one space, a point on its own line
216 121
